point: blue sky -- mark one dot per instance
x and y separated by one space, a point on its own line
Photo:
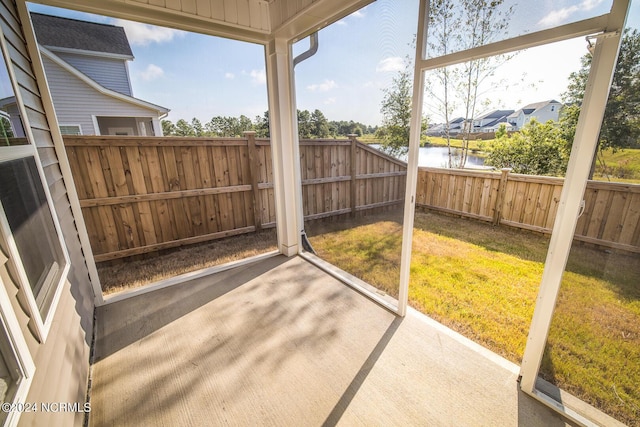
202 76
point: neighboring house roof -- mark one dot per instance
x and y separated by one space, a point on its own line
493 117
530 108
10 100
495 114
56 32
502 119
98 87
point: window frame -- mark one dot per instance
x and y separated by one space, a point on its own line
41 323
607 28
63 125
14 348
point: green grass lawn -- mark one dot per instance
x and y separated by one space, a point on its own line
474 145
482 281
621 166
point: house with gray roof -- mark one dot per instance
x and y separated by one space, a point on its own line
88 76
489 121
541 111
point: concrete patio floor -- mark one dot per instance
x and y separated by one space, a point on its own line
282 343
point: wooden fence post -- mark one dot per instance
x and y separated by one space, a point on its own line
354 171
254 167
502 188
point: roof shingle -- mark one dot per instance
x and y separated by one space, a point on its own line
74 34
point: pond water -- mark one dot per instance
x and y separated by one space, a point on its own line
438 157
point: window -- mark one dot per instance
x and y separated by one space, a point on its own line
27 224
70 130
16 364
30 222
15 375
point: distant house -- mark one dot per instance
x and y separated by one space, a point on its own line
541 111
490 121
456 125
87 73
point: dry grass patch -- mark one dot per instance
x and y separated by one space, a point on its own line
124 274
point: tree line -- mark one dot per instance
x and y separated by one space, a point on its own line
310 125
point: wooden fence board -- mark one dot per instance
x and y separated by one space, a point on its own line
631 221
141 194
611 216
617 208
144 194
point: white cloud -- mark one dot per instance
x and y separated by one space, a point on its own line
325 86
394 63
144 34
229 76
330 101
358 14
560 16
152 72
258 77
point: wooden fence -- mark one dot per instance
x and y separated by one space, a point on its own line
145 194
611 215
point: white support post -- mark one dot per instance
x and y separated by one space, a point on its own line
584 146
283 128
412 161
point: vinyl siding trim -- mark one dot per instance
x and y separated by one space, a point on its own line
101 89
110 73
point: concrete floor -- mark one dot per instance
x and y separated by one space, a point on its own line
281 343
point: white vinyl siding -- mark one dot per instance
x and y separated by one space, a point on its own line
109 72
546 113
76 102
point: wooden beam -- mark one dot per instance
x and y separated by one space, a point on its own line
150 141
108 201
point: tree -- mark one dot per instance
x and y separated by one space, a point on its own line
261 125
396 114
538 149
305 128
311 125
183 128
621 122
502 131
196 125
483 22
319 124
244 123
168 128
